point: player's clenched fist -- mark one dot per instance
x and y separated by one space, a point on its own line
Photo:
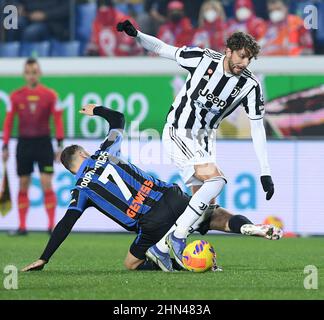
88 109
268 186
127 27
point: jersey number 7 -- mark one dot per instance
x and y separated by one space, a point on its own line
111 171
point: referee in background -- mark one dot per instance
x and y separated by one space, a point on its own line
34 104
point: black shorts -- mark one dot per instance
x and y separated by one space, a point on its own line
155 224
31 150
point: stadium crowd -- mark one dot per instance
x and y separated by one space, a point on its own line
88 27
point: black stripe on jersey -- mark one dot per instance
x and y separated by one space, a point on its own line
140 179
218 89
257 100
182 105
245 101
173 138
108 196
247 73
171 109
191 54
194 96
242 81
216 92
208 105
214 55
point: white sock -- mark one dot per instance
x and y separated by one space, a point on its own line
161 245
198 204
206 214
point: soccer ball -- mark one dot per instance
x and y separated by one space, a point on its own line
276 221
199 256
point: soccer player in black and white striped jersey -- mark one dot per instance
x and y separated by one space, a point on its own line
216 85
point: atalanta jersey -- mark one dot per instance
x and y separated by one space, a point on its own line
115 187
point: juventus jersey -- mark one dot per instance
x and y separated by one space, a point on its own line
210 94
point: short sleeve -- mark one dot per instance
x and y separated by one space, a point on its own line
79 200
253 103
189 57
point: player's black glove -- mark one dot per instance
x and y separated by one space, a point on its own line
268 186
127 27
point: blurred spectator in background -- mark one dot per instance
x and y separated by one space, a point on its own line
41 20
192 10
245 20
105 40
285 33
212 27
178 30
85 13
154 16
132 8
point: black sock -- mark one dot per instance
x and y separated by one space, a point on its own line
236 222
148 265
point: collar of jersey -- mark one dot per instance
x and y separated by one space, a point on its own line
82 167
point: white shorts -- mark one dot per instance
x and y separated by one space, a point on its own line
187 150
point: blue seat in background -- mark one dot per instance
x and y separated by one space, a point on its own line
35 49
65 49
9 49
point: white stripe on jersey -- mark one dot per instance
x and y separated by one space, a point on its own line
209 95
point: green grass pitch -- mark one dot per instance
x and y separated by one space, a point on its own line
90 266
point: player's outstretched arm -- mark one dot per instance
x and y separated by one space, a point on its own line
260 147
61 231
148 42
115 119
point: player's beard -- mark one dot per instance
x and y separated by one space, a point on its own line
234 68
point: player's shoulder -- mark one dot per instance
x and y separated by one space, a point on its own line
213 54
48 91
249 75
190 51
18 92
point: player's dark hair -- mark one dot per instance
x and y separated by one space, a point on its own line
31 61
68 155
241 40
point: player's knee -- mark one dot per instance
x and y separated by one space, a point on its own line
207 171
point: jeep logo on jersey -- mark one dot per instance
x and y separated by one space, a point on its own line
212 98
236 91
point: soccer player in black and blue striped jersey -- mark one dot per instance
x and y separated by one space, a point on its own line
134 199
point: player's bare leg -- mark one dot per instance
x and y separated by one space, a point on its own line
133 263
223 220
49 198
